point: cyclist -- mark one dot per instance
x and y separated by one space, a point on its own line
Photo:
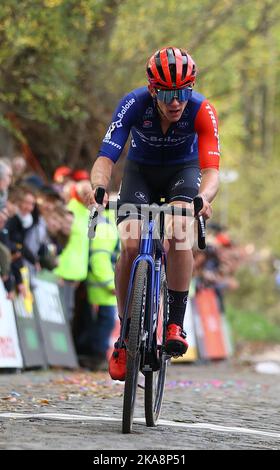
174 152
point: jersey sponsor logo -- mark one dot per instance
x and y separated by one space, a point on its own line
141 196
118 123
215 125
125 108
159 141
108 134
214 153
182 124
110 142
178 183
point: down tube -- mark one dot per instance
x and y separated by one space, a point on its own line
155 297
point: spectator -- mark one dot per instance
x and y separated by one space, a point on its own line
34 181
59 224
94 341
5 181
215 267
73 261
63 182
19 168
18 227
41 241
12 200
5 255
47 200
66 219
14 279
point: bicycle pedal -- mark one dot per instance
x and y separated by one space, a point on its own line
175 355
175 349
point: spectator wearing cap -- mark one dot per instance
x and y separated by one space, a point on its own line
80 175
33 180
63 182
62 174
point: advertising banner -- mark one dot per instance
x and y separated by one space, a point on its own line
10 354
199 333
57 337
214 345
30 339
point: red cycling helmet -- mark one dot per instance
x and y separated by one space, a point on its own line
171 68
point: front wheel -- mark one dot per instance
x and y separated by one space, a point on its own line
137 310
155 380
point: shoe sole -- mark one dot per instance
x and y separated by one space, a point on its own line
176 348
114 377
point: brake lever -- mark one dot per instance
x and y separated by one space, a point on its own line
198 205
92 221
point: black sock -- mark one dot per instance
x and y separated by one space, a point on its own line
177 306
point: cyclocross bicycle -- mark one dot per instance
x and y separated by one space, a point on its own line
147 308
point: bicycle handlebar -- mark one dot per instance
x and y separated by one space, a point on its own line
155 209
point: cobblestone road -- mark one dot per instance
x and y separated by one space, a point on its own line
206 406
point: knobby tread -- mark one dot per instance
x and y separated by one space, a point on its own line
133 346
155 380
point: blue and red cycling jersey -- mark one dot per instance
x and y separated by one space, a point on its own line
194 137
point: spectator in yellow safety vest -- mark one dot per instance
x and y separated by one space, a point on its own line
73 261
100 283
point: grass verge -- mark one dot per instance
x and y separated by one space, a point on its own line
251 326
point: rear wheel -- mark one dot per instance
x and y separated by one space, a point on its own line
155 380
137 309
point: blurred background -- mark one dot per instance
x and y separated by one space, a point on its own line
64 64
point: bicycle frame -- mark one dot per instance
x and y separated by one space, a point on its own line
148 248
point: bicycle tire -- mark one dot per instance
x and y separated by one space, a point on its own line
137 309
155 380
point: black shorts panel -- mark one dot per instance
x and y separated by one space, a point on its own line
148 184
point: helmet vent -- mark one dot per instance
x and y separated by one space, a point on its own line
159 69
185 66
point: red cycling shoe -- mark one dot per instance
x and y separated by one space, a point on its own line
175 343
117 363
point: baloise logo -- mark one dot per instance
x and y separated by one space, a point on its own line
118 123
